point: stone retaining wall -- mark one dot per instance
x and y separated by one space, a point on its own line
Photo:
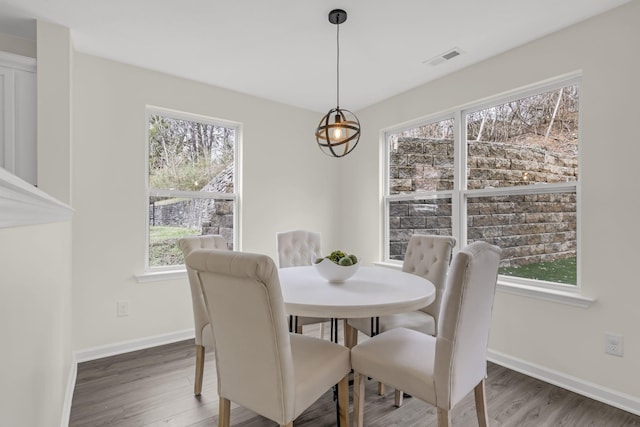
529 228
204 216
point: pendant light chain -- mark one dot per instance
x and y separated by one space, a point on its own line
338 66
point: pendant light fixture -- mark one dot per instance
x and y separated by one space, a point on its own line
339 131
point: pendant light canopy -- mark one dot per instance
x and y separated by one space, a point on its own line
338 132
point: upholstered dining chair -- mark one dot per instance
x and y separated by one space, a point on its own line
427 256
440 370
298 248
200 316
260 365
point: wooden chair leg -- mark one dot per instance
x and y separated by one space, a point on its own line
343 401
197 384
350 335
443 418
481 404
358 399
224 413
398 397
380 389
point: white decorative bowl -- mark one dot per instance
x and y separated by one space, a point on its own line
335 273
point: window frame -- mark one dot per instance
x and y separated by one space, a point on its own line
460 193
170 271
418 195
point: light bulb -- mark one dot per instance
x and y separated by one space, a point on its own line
337 133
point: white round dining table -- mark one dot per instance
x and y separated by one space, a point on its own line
370 292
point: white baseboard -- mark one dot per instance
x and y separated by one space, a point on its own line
602 394
112 350
132 345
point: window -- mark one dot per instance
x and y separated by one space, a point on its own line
420 184
192 182
505 172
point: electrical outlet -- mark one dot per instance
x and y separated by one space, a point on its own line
614 344
122 308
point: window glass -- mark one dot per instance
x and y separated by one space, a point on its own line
527 141
191 183
171 218
537 233
421 158
420 216
188 155
518 189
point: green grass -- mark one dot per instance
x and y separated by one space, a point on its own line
158 233
163 245
559 271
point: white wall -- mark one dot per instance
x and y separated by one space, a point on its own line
556 337
35 272
286 183
35 300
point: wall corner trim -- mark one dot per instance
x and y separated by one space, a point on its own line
68 397
23 204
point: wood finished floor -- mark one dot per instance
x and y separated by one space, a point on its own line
154 387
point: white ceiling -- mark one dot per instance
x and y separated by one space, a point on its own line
285 50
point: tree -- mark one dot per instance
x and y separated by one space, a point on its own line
186 155
550 116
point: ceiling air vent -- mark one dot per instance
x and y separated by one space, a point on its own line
446 56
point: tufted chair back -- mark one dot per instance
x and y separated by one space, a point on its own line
200 316
297 247
429 257
204 335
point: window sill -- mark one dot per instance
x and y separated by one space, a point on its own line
159 276
388 264
561 296
568 297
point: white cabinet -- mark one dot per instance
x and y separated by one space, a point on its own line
18 138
